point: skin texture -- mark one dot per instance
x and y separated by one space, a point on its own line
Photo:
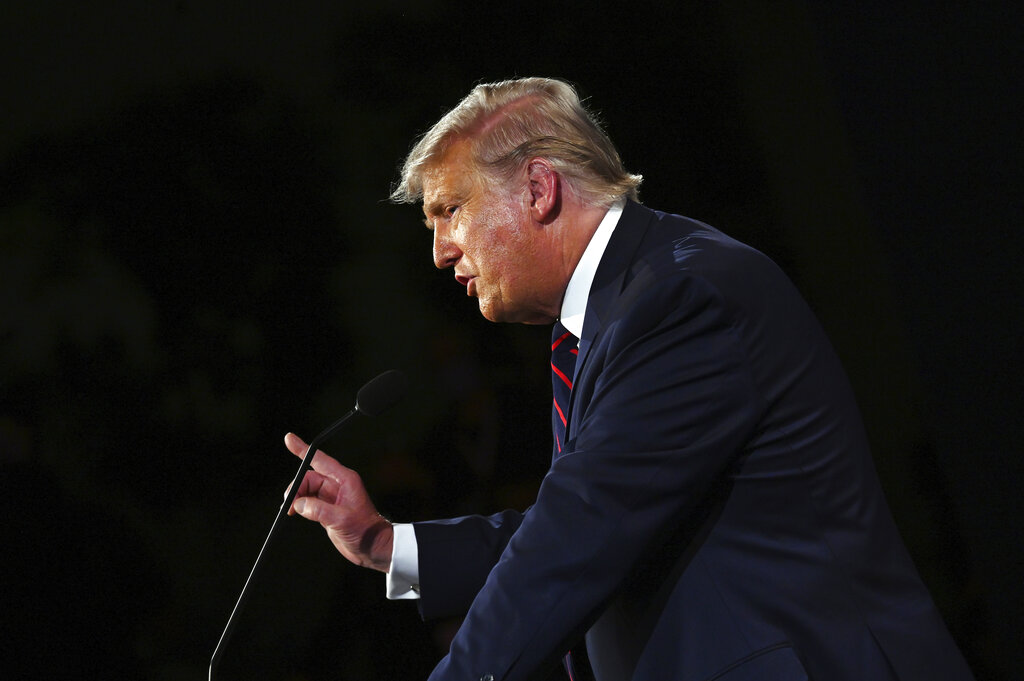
505 244
514 248
335 497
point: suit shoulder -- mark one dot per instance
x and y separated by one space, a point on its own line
676 248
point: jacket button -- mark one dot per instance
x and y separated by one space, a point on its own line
487 677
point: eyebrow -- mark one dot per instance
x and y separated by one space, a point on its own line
434 208
428 212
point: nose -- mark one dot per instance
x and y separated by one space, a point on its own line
446 252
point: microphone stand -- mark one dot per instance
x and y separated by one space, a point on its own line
307 462
373 398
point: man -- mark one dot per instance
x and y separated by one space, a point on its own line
711 510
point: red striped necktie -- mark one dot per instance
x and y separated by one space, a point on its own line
563 362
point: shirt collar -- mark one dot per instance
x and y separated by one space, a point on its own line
574 303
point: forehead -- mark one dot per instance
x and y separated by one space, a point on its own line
449 178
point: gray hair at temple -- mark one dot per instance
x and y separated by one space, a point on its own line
513 121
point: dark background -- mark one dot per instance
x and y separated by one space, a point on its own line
197 256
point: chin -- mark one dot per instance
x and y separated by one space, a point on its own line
502 316
490 316
493 312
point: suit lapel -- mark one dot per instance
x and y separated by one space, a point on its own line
609 281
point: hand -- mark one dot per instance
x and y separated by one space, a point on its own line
335 497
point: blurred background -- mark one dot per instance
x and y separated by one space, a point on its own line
197 256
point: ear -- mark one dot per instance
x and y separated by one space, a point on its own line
545 189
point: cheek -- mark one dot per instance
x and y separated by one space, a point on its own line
497 240
509 255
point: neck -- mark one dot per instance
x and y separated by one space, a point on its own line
581 221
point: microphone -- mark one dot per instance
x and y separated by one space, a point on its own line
380 394
374 398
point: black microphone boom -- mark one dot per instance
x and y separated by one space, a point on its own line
374 398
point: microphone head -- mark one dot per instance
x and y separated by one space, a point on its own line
381 393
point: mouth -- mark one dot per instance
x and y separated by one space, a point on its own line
468 281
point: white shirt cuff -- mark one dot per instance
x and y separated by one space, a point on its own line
403 580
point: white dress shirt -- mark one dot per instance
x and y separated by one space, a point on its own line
403 578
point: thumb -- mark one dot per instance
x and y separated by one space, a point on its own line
317 510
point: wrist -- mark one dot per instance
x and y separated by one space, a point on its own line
382 546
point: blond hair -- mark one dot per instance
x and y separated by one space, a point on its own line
510 122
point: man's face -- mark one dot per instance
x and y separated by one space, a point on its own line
509 262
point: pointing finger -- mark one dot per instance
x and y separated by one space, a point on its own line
322 463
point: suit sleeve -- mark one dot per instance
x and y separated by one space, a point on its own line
672 404
455 557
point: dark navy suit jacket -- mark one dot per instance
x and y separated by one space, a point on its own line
714 513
